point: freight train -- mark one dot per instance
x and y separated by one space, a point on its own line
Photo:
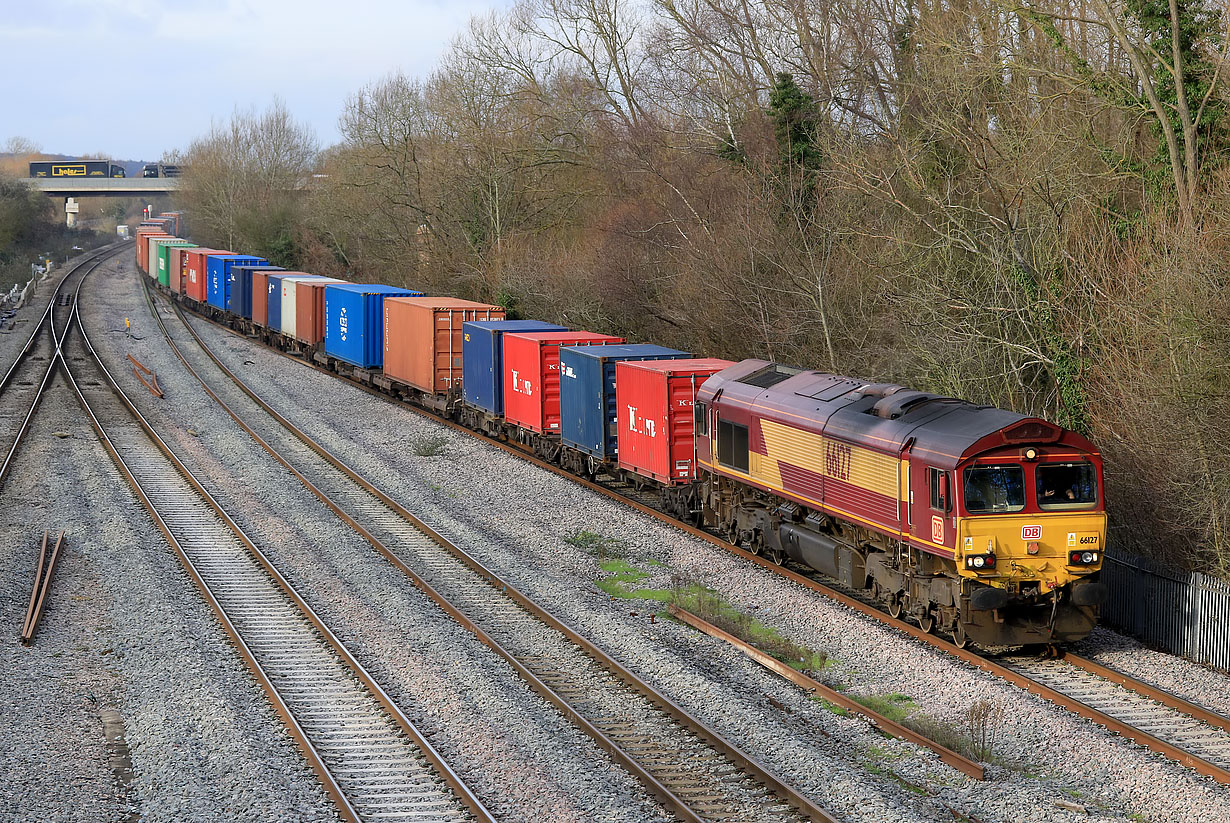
979 522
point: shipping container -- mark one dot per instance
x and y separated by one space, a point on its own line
482 359
143 241
310 309
260 293
273 305
218 276
164 259
588 418
239 295
354 321
177 262
656 402
196 272
289 303
531 375
423 339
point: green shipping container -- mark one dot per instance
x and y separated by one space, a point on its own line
164 268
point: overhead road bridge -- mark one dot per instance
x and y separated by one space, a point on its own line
104 186
70 188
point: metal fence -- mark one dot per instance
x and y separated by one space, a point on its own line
1186 614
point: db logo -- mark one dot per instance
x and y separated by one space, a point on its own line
341 323
1031 532
937 529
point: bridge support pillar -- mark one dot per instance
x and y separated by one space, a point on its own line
71 206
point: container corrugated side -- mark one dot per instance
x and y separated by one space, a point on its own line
290 301
482 359
218 270
196 275
177 265
656 402
588 417
423 339
164 258
239 301
531 375
274 307
354 321
260 293
310 310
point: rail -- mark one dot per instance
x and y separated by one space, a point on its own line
42 583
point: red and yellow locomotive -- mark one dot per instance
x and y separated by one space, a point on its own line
975 520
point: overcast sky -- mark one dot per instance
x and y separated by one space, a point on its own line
87 76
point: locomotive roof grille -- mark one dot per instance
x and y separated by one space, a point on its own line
769 376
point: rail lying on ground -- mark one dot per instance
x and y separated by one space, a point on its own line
1173 744
42 582
372 761
686 764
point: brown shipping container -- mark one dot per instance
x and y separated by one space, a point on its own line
175 262
260 297
310 309
143 249
422 339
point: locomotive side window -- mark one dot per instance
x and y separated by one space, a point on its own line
732 445
994 489
702 419
1067 485
938 482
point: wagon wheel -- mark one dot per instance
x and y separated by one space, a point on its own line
894 606
959 638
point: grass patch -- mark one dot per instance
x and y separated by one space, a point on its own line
895 706
840 711
713 608
621 581
599 545
432 445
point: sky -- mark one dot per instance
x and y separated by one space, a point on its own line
135 78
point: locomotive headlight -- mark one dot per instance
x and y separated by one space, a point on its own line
1088 557
1031 454
979 562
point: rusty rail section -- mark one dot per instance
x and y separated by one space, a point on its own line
42 583
146 375
891 727
1148 690
1071 704
679 804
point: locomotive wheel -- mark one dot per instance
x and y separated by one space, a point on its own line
777 556
894 606
959 638
927 622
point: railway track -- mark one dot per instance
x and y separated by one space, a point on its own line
690 767
1195 746
373 763
22 387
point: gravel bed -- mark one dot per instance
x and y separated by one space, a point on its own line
1193 682
124 630
520 525
519 754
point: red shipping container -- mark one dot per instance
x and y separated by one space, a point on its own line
656 402
310 309
531 375
422 339
195 281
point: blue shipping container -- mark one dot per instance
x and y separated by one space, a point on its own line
482 359
239 294
589 418
354 321
217 275
240 299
